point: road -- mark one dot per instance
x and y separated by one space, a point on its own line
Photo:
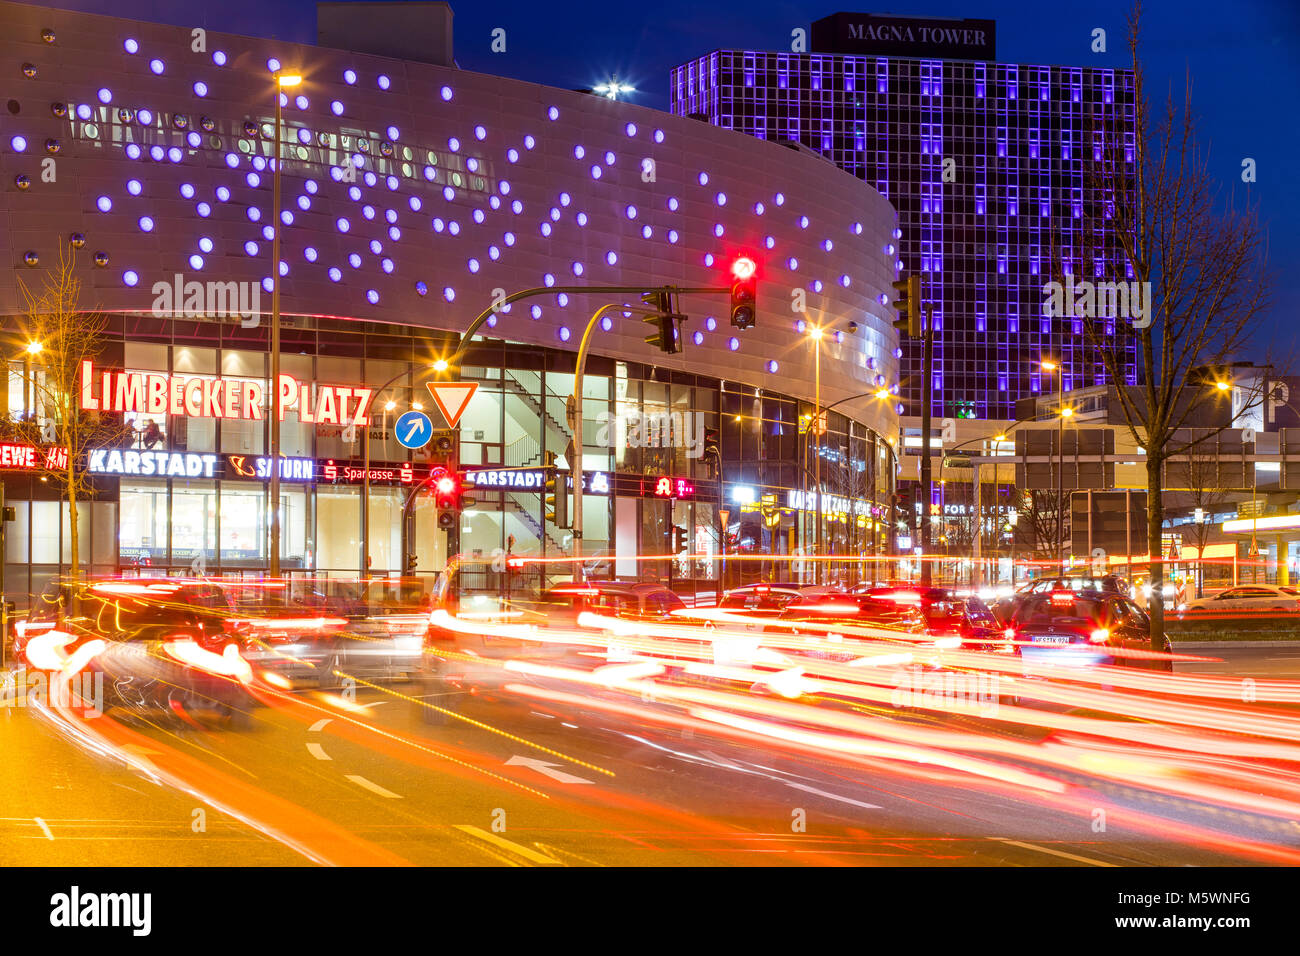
569 780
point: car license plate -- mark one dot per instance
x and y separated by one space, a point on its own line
1050 639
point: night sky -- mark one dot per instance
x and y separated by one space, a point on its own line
1243 57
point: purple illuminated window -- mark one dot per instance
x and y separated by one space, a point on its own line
478 216
698 338
453 227
157 153
438 225
844 281
336 107
646 232
105 95
759 209
817 285
512 155
232 160
828 245
564 199
133 187
718 230
769 242
18 144
516 206
509 238
342 225
304 203
200 88
772 366
370 179
194 139
376 247
606 323
792 262
721 199
779 199
286 217
711 324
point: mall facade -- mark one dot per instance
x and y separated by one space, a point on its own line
414 197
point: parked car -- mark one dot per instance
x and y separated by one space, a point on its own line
1270 597
948 614
1083 628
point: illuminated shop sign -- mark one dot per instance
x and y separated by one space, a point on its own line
343 472
151 464
666 487
522 479
259 468
29 457
831 504
153 393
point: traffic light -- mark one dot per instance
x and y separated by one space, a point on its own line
443 446
679 540
907 300
557 493
446 496
667 334
905 504
744 293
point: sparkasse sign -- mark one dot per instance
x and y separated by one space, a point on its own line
877 35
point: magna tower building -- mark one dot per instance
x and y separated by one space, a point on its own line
986 163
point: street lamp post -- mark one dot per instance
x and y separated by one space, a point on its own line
282 80
1062 414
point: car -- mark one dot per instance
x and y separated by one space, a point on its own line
154 652
772 597
884 614
1108 583
1272 597
630 600
1071 627
949 614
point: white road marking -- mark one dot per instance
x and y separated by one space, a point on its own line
319 725
317 751
361 781
832 796
1061 853
549 769
510 845
44 829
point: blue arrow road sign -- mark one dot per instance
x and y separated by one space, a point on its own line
414 429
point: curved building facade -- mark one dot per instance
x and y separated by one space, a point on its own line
413 198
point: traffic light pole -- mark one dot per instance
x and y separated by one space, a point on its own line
926 477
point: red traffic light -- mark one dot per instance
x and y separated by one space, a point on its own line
445 485
743 268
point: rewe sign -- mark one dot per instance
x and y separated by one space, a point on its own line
154 393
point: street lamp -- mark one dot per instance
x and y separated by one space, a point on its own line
816 332
613 89
282 81
1062 414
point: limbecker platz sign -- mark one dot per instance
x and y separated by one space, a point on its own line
152 393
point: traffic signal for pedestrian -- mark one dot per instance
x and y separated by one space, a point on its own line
679 540
557 493
744 293
667 332
907 300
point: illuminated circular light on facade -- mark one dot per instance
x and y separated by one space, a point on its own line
480 133
509 238
105 95
250 248
711 324
779 199
219 57
304 136
335 274
817 285
563 333
828 245
132 151
342 225
577 268
232 160
394 133
609 159
157 153
438 224
131 46
205 244
133 187
310 254
253 180
562 298
884 299
471 164
504 187
646 232
889 249
494 202
516 207
200 89
272 65
223 194
268 232
606 323
512 155
445 92
83 112
478 216
800 326
145 116
18 144
354 193
473 265
611 257
759 209
857 228
630 212
582 219
839 335
157 66
130 277
286 217
354 260
844 281
193 139
492 319
372 296
552 114
494 253
708 258
546 229
376 247
579 152
899 408
453 144
196 262
203 209
772 365
733 343
448 193
704 179
718 230
383 81
698 338
721 199
535 312
421 287
370 179
268 284
792 263
145 223
548 280
630 129
304 203
565 199
336 107
350 77
672 203
392 182
769 242
803 222
898 353
254 214
390 215
453 227
104 204
430 173
672 236
659 136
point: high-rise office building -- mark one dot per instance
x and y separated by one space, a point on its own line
987 163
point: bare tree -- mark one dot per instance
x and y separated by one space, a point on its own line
62 336
1036 523
1206 493
1199 259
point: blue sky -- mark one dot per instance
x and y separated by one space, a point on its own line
1243 57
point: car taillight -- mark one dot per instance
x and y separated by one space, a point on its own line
1100 636
1009 633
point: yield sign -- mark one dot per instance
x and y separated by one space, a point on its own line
452 398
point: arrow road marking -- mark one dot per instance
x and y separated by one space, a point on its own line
550 769
832 796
